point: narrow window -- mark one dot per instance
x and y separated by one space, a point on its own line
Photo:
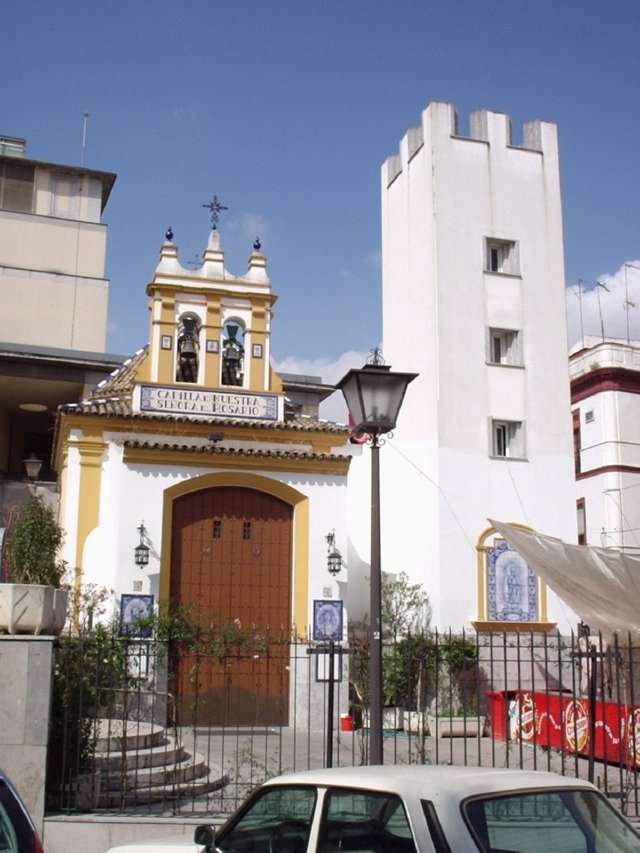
500 440
503 347
582 522
16 187
507 439
246 530
217 528
501 256
577 440
65 196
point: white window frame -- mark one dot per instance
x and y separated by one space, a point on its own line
507 439
504 347
65 195
501 256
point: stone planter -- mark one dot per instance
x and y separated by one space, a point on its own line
392 719
456 726
416 723
32 608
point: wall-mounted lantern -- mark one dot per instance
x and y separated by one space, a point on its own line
141 551
334 557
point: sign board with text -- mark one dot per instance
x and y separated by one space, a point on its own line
200 402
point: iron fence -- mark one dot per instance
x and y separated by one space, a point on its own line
166 727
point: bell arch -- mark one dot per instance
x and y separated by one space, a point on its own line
188 348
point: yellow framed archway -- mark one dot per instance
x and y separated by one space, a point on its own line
300 550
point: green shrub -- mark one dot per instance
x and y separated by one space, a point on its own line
33 546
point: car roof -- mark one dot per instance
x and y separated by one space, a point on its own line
432 782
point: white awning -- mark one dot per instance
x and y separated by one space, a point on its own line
601 585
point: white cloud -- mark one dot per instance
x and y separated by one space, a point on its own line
333 408
611 309
251 225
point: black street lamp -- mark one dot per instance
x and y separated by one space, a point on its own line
374 396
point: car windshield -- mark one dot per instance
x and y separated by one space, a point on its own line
277 821
559 821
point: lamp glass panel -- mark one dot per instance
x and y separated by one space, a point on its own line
374 396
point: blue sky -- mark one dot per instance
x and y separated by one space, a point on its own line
286 110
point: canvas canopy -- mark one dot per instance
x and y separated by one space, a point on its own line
602 586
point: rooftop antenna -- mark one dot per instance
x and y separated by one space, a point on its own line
85 116
601 284
628 303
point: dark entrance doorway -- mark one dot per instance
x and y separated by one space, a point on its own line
231 567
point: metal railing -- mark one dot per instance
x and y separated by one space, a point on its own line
166 727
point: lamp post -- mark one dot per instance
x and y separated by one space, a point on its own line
374 396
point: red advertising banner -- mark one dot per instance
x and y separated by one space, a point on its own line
562 722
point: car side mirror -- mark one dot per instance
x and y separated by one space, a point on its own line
205 835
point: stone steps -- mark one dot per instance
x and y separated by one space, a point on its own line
139 763
162 794
116 735
159 754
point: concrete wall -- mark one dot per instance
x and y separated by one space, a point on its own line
25 699
95 833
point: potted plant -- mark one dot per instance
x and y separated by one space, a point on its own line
31 601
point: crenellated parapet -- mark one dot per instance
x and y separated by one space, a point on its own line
440 122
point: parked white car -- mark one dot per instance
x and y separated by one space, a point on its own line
418 808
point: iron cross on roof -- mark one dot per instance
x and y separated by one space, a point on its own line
216 207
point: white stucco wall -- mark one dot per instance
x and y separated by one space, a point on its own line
132 493
610 450
442 196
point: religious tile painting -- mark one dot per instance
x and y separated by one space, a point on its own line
511 585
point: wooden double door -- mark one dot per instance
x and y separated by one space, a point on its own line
231 570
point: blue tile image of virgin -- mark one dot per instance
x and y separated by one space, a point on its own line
512 587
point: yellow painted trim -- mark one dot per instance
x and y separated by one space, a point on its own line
481 568
480 579
203 287
212 329
173 458
544 616
91 450
515 627
300 531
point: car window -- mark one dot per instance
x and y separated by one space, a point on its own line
278 820
14 827
553 821
364 822
8 837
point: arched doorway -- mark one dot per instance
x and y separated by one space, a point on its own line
231 566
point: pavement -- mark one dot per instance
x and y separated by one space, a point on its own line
249 756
